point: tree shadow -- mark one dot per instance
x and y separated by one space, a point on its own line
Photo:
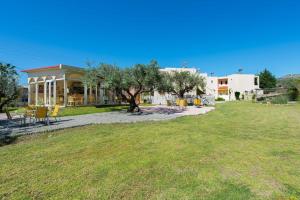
162 110
6 138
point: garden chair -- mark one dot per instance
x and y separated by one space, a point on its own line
29 113
41 114
55 112
71 101
13 119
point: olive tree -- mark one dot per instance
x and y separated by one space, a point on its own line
8 84
129 83
180 83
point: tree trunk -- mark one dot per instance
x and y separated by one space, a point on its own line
181 94
5 102
1 108
133 105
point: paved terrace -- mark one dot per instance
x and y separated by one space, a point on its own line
155 113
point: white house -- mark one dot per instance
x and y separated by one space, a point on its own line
224 87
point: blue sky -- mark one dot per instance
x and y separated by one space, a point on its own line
212 35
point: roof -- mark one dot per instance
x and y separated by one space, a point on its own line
59 66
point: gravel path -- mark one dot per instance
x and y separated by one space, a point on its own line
157 113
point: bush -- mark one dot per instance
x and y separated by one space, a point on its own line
237 95
283 99
293 94
220 99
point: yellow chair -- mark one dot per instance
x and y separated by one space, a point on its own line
197 102
71 101
41 113
29 113
177 102
55 112
183 103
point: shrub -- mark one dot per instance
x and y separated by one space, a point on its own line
237 95
220 99
283 99
253 98
293 94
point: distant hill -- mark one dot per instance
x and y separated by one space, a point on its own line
290 76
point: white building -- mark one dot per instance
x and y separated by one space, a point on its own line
226 87
223 87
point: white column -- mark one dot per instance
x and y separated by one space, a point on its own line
96 94
85 95
100 94
29 94
65 93
50 93
36 93
90 95
45 93
54 92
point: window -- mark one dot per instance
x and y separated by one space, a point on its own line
212 81
226 82
255 81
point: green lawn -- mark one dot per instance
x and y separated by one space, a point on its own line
69 111
238 151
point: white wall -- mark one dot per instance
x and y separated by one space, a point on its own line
241 83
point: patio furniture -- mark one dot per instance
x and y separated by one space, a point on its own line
197 102
182 102
42 114
29 113
13 119
55 112
177 102
71 101
91 99
78 98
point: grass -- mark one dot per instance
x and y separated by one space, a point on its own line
70 111
239 151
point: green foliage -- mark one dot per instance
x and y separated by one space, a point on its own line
220 99
237 95
266 79
128 83
282 99
179 83
8 84
292 84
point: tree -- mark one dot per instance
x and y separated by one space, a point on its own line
129 83
292 84
266 79
8 84
179 83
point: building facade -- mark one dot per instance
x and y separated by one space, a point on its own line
223 87
226 87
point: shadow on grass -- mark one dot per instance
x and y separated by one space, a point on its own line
232 191
6 138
